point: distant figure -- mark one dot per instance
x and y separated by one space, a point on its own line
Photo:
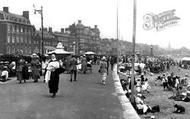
19 68
112 61
25 73
29 71
73 68
103 70
35 66
4 74
84 65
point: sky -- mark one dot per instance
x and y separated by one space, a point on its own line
62 13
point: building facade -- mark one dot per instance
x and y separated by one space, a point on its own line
86 38
66 39
49 41
15 32
18 35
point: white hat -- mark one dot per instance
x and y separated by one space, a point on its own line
34 54
152 117
139 95
103 58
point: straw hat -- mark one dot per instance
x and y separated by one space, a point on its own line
152 117
139 95
103 58
34 55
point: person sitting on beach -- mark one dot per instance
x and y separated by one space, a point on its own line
145 85
141 107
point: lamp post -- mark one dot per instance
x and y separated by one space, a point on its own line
74 47
117 39
42 29
133 52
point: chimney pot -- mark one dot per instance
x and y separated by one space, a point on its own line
6 9
26 14
79 21
50 29
62 30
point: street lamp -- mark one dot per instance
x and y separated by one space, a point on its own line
133 53
74 47
117 39
42 29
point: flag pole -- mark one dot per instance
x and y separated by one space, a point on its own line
117 38
133 52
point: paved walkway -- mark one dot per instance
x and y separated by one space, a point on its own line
128 110
84 99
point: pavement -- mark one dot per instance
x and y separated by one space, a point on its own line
84 99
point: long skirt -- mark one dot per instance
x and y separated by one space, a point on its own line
19 75
53 84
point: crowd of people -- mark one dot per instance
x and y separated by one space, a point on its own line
152 64
141 84
179 86
51 66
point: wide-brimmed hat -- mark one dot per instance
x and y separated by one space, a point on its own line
103 58
34 55
139 94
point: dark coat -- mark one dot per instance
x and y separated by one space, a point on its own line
25 73
54 80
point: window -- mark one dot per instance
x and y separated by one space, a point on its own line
13 50
13 39
17 39
8 39
26 40
8 50
21 39
17 30
1 16
25 50
29 51
13 29
21 30
29 40
8 28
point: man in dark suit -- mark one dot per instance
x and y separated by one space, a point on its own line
73 68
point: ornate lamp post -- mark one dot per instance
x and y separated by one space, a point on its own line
74 47
133 52
40 11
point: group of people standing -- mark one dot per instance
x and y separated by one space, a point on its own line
26 70
51 67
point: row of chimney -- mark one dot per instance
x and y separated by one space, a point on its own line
25 13
80 22
50 30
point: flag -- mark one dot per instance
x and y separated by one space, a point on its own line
33 6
